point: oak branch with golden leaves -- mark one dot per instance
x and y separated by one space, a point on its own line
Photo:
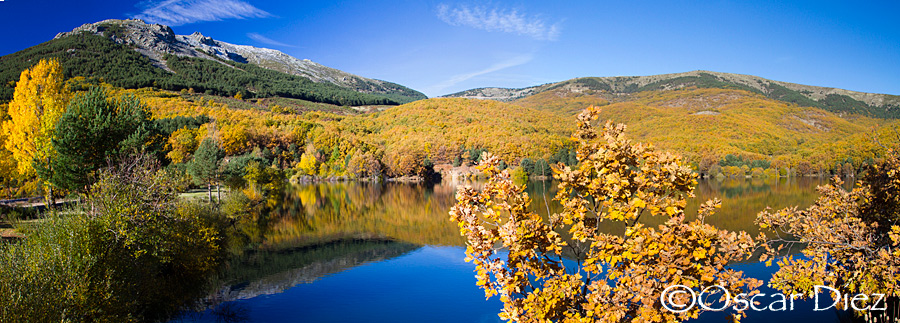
564 268
851 238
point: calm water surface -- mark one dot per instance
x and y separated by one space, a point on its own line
358 252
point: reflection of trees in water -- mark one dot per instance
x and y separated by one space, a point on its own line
415 213
742 200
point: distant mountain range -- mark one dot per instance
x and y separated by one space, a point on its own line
616 89
100 50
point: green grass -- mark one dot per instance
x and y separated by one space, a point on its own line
202 194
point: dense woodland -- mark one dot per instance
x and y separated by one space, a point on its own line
303 140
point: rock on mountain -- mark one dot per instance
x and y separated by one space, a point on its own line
498 93
155 41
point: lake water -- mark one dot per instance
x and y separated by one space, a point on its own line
360 252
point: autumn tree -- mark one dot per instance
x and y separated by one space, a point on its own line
39 100
852 241
364 165
263 182
234 170
308 163
8 171
705 166
565 267
234 139
804 168
182 144
405 161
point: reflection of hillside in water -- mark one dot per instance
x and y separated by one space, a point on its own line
414 213
264 272
742 200
320 229
418 213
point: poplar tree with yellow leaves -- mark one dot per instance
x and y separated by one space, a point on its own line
566 267
8 171
40 98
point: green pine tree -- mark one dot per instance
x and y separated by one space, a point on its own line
94 131
204 167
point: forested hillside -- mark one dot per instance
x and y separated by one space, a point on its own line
442 129
707 125
720 131
102 60
710 127
399 141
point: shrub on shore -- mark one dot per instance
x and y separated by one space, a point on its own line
131 252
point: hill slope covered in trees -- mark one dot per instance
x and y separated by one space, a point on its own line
711 123
398 141
707 126
132 54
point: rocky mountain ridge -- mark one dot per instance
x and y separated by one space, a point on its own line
838 100
155 41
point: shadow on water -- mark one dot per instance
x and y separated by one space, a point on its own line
354 236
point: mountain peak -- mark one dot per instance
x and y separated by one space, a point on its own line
199 38
155 41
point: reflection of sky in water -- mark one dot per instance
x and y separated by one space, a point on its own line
429 284
434 283
803 310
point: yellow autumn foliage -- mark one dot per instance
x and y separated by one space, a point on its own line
39 100
564 268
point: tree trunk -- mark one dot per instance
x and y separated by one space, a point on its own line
218 190
50 186
209 191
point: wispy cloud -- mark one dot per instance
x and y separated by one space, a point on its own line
509 21
180 12
267 40
456 79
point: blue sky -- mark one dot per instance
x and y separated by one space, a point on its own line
440 47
